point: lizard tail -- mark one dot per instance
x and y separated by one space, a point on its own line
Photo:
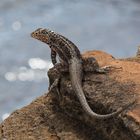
75 74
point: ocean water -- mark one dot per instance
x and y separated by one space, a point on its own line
112 26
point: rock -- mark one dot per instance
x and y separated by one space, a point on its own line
60 116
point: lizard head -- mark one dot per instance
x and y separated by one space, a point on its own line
43 35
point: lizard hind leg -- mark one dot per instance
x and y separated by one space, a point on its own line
54 85
90 64
57 71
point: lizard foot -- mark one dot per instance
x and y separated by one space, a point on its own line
108 68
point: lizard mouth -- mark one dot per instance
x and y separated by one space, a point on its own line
33 34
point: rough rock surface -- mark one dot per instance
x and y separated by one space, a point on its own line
60 116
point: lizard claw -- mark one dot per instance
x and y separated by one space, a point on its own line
108 68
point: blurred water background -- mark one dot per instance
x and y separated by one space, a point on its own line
109 25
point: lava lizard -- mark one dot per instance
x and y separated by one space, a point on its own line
71 60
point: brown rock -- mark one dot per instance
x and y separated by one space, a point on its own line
53 117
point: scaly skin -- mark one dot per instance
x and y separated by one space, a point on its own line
70 57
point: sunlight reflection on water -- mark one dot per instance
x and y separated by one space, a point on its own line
38 63
16 25
10 76
36 72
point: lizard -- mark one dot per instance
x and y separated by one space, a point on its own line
71 59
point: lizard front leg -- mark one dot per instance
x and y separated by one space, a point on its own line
53 57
